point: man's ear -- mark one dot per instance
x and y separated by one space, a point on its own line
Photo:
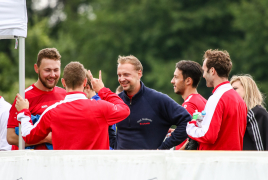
139 73
85 82
36 68
63 82
213 71
188 81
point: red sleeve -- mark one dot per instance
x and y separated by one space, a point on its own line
32 134
190 107
115 110
12 119
211 124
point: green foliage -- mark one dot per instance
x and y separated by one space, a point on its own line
7 71
14 89
37 39
159 33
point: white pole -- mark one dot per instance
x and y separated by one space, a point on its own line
21 81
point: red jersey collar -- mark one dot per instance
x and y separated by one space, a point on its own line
225 82
76 92
43 91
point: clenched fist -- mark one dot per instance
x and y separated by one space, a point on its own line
21 103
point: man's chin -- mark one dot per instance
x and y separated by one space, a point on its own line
50 86
209 85
125 88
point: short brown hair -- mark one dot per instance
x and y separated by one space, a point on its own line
190 69
74 74
88 79
131 60
220 60
49 53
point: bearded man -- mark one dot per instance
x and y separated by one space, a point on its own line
40 95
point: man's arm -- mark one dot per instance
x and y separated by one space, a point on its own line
31 134
190 107
112 137
211 124
115 110
176 115
13 138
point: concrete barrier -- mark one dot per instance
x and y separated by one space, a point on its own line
133 165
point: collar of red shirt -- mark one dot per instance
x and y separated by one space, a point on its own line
225 82
75 95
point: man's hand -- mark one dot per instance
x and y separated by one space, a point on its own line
21 103
183 147
97 84
170 131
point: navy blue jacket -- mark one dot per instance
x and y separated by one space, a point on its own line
151 115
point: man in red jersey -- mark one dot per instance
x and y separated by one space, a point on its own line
78 123
40 95
185 81
224 124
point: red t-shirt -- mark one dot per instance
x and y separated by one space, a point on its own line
193 102
39 101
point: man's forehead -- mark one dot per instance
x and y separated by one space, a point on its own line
204 62
126 66
50 63
177 71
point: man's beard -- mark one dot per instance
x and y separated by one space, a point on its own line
209 83
178 92
45 84
181 90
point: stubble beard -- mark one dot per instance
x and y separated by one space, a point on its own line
130 89
45 84
180 91
209 83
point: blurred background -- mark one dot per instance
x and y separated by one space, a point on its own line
159 33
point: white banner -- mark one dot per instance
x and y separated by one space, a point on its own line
133 165
13 19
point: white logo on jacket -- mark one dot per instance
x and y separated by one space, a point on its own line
144 119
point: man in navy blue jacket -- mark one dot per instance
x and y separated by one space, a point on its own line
151 113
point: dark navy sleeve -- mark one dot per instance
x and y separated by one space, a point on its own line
112 137
176 115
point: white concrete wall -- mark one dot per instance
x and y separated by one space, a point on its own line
132 165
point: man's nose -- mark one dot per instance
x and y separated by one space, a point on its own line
172 80
52 74
121 78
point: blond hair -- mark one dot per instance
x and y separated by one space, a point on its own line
253 96
131 60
